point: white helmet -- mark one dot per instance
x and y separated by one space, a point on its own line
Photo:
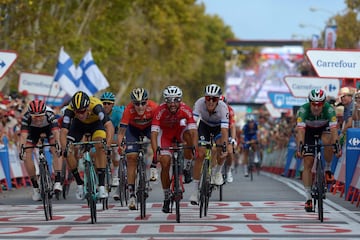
172 92
213 90
250 118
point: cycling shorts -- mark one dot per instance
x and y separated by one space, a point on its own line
78 129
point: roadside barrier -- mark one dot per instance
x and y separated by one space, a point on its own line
346 169
13 173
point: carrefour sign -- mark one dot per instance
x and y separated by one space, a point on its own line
335 63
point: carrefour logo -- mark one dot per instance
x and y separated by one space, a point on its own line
354 141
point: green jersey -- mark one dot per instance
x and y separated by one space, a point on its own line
306 118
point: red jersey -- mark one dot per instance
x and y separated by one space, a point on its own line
168 122
131 117
231 116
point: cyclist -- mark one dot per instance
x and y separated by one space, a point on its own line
213 116
115 114
250 132
173 120
316 117
84 115
136 123
39 119
230 160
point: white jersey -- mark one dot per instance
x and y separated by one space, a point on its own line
220 117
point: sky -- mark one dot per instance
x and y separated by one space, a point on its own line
275 19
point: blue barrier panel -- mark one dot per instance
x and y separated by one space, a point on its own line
352 154
4 156
290 154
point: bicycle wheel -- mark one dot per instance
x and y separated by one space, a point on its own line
204 187
45 184
122 188
108 183
177 190
251 164
320 188
141 187
90 192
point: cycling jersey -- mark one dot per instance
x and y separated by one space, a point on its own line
131 117
231 116
249 134
304 115
116 115
95 113
220 117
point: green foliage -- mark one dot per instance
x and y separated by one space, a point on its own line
147 43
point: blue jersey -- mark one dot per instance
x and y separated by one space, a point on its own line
116 115
250 133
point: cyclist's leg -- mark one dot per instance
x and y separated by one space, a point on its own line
131 158
165 162
115 159
100 159
188 156
57 161
32 139
308 160
328 155
230 162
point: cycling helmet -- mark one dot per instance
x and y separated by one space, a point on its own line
250 118
80 100
139 94
37 107
172 92
317 95
213 90
107 97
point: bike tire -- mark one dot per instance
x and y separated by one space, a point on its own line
90 195
320 188
122 188
142 188
204 187
45 184
177 190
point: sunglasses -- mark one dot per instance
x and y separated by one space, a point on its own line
37 115
107 103
214 99
81 111
317 104
142 103
171 100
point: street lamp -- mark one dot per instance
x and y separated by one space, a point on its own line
302 25
331 20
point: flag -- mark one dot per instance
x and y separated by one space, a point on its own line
330 37
315 41
65 73
91 78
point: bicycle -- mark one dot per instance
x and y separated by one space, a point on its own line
176 182
205 185
225 169
251 161
108 176
141 188
66 180
319 189
90 176
122 189
46 183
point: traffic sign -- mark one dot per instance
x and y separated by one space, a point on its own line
285 100
335 63
301 86
40 84
7 59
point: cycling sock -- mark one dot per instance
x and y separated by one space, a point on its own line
77 177
166 194
101 176
57 176
131 188
34 182
308 193
196 184
187 164
116 170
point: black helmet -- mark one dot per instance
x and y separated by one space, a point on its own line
80 100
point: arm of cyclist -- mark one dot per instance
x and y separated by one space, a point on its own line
154 145
120 138
335 141
224 139
300 138
110 130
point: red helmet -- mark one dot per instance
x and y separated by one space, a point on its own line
37 107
